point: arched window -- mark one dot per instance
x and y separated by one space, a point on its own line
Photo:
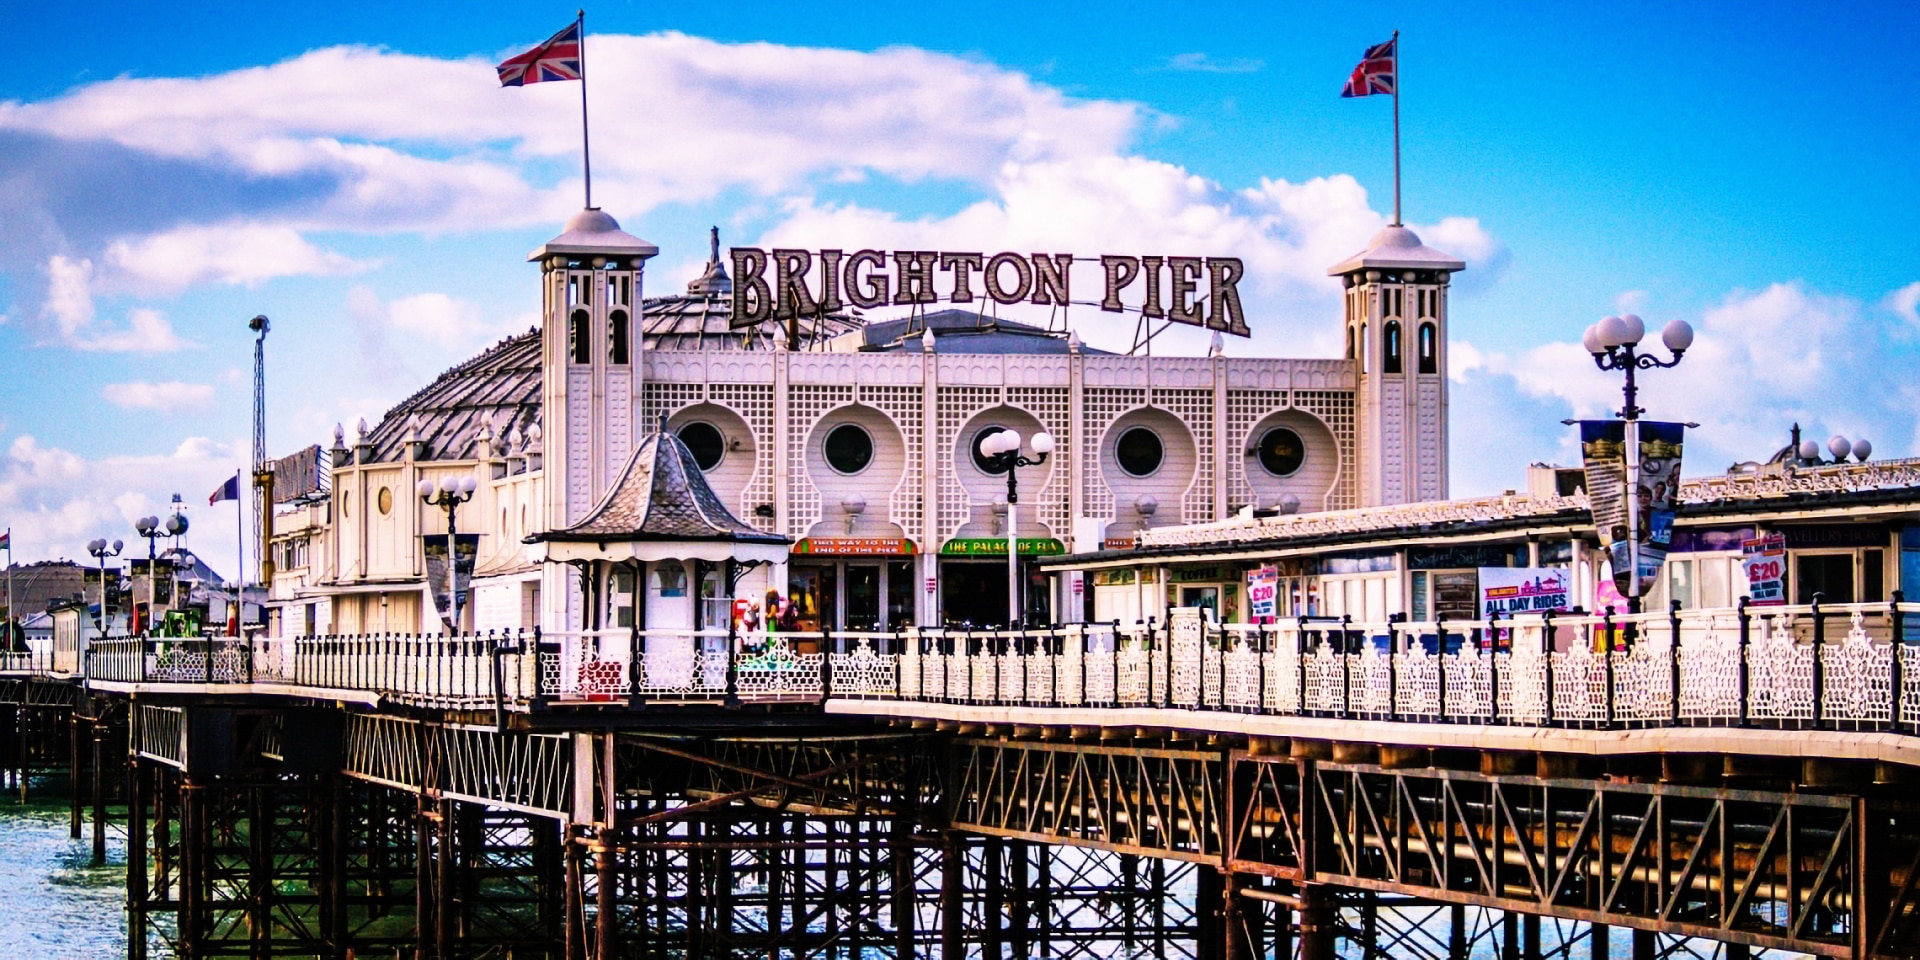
1429 349
1366 361
579 344
1350 353
1392 344
617 338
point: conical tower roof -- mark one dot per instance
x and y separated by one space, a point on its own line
661 494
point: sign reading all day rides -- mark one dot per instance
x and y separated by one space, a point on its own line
1765 564
1263 591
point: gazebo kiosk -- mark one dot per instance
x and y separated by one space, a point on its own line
656 561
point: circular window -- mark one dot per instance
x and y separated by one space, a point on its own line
1282 452
703 439
849 449
385 502
1139 452
980 459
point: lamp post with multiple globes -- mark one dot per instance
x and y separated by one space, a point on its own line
101 551
449 494
1001 451
153 529
1614 343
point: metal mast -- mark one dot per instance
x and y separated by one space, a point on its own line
262 476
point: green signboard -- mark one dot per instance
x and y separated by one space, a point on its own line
997 547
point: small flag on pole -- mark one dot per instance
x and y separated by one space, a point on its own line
1376 72
228 491
557 59
6 540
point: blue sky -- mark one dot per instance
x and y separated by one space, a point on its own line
167 173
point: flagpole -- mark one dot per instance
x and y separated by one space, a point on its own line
1396 127
586 150
11 616
239 560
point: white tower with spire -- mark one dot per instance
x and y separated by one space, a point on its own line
590 376
1396 333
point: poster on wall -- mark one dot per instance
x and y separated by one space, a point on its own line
434 547
1764 561
1263 592
1506 591
1650 494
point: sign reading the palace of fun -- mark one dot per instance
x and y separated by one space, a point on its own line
1201 291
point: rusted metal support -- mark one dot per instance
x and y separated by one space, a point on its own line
193 852
576 889
1318 930
99 791
136 860
444 918
74 768
606 920
901 887
952 889
993 909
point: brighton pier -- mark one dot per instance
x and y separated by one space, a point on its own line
1096 742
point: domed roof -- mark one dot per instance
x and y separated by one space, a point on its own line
1397 248
593 231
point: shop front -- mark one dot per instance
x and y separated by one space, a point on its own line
973 581
853 583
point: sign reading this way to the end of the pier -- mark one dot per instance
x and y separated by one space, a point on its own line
1201 291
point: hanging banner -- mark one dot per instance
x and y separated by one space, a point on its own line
1263 592
434 547
1633 509
1764 561
1505 591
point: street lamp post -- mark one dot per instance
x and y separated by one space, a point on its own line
1613 342
101 550
153 529
1001 450
451 492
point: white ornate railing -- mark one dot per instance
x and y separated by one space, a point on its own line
1851 667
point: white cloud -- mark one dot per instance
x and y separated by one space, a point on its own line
170 396
1906 303
69 305
681 119
1203 63
245 254
1761 361
57 500
1287 233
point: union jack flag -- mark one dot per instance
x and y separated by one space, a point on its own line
1376 72
557 59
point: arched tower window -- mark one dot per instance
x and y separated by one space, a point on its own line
1429 349
580 342
1350 353
1366 360
1392 344
617 338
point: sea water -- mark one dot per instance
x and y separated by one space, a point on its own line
54 902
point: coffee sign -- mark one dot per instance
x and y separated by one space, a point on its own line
778 284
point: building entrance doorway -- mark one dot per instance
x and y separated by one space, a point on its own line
853 594
973 593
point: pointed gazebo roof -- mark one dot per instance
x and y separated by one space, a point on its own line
660 506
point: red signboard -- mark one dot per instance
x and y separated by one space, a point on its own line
855 547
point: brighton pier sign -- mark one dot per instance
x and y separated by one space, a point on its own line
778 284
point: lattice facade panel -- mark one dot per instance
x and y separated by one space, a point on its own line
754 403
806 404
1244 409
957 405
1100 407
903 405
1195 409
1336 409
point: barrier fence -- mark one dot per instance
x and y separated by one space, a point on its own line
1854 666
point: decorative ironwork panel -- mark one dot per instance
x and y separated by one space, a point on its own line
1163 803
1780 673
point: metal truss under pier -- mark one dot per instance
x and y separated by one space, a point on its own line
263 826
